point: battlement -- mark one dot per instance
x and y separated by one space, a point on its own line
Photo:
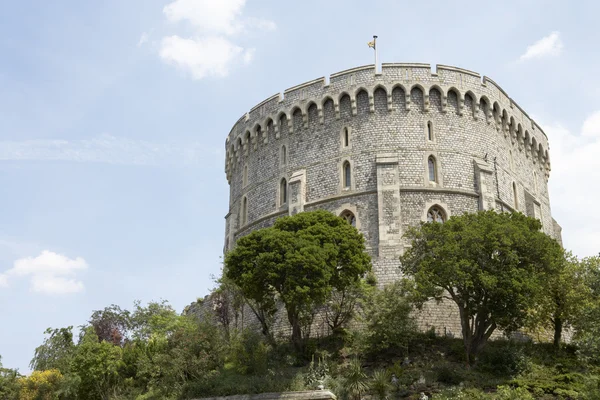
485 98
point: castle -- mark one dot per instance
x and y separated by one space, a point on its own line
387 150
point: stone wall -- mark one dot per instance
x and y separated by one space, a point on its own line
288 154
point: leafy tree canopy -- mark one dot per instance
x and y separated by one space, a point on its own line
299 260
492 265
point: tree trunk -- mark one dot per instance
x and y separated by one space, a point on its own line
558 325
294 320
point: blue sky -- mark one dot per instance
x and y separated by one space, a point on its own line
114 114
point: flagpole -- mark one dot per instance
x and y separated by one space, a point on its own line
375 48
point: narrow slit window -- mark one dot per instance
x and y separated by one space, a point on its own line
346 137
347 175
429 131
432 169
516 198
244 211
245 176
283 192
283 155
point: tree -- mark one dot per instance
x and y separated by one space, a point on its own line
56 352
111 324
97 363
490 264
300 260
565 298
41 385
387 318
9 386
587 326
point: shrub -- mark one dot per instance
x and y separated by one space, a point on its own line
249 354
508 393
388 320
507 359
381 384
449 375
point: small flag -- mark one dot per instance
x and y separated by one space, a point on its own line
371 44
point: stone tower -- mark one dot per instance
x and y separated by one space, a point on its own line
386 151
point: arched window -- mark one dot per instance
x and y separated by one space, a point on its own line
245 176
283 155
429 131
347 175
432 169
346 137
516 198
349 216
283 192
244 216
436 214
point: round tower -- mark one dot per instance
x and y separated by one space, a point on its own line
387 151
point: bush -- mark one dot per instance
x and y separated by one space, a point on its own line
381 384
506 359
249 354
449 375
508 393
388 319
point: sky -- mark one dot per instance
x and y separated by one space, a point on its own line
114 114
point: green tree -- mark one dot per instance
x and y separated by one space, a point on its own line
97 363
490 264
388 320
565 298
300 260
9 386
587 327
56 352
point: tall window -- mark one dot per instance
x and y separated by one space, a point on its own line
516 198
244 216
535 182
245 176
347 175
432 169
435 214
283 192
349 216
346 137
283 155
429 131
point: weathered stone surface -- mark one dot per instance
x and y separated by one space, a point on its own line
487 154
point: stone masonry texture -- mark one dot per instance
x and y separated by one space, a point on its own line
487 152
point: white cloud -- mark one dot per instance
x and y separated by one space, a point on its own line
207 16
591 126
50 273
550 45
110 150
573 183
209 53
143 39
203 57
55 285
